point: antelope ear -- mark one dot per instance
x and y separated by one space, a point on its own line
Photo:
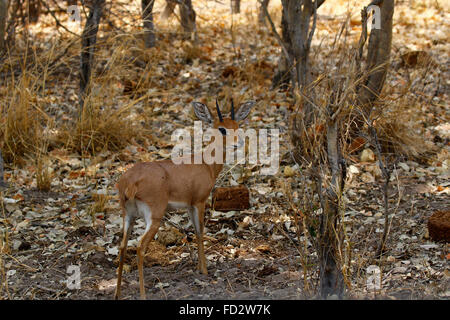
202 112
244 110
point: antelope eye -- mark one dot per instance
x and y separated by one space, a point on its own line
223 131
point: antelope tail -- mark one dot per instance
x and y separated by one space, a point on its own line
130 192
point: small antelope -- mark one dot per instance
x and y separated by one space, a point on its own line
148 189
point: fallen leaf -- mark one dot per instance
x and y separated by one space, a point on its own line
264 248
367 155
289 171
106 285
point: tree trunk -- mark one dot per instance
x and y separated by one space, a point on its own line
34 10
235 6
264 6
187 15
282 76
377 57
297 37
3 20
331 278
149 27
88 40
3 184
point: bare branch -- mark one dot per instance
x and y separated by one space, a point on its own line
277 35
58 23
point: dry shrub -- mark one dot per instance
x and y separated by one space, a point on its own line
99 129
100 202
399 130
251 72
107 121
191 52
21 129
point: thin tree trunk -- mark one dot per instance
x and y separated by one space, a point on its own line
235 6
297 37
378 55
169 8
3 184
187 15
283 74
262 8
3 19
34 10
331 278
149 27
88 41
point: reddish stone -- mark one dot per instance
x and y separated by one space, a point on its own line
231 198
439 226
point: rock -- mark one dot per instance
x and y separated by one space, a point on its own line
170 237
416 58
404 166
439 226
353 169
231 198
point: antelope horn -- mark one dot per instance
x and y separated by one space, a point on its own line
218 111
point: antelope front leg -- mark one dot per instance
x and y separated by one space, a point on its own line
197 214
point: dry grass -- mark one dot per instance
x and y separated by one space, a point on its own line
100 203
21 125
401 136
43 175
4 249
97 130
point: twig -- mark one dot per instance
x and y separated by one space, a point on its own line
3 184
277 36
313 27
386 176
22 264
58 23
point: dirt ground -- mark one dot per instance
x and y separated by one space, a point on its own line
249 264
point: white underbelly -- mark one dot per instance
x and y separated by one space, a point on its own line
173 205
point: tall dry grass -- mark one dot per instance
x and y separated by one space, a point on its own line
21 124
